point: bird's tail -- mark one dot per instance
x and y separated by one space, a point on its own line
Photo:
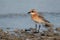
48 25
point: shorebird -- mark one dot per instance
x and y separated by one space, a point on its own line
39 19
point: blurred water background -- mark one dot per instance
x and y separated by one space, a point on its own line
22 21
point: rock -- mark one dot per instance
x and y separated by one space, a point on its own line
58 29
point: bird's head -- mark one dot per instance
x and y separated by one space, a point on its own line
32 11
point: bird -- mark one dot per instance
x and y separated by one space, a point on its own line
39 19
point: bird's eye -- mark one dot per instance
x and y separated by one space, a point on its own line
32 11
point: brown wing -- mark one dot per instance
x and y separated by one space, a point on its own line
40 16
46 20
43 18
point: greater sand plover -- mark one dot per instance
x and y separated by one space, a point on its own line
39 19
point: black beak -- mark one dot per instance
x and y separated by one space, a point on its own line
29 12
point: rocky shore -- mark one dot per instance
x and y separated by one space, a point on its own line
30 34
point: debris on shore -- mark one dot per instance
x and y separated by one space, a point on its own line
29 34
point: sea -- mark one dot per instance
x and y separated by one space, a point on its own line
13 21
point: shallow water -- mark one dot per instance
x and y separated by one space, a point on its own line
25 21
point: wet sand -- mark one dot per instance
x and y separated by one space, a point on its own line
30 34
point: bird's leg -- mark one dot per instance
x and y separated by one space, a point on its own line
36 27
39 28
